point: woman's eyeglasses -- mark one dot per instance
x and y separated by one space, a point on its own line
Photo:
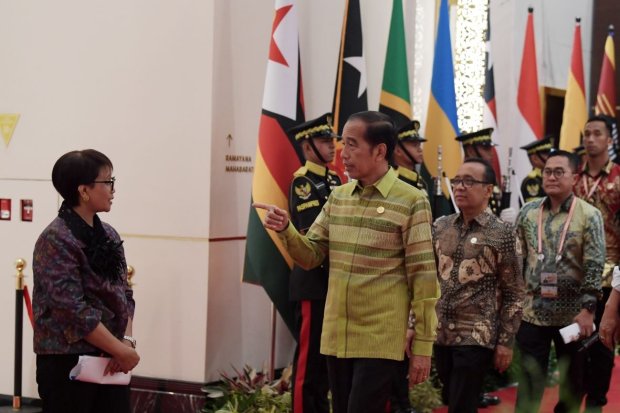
110 182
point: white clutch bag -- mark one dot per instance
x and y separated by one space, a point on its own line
90 369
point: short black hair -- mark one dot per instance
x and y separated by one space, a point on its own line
608 121
380 129
77 168
489 172
573 162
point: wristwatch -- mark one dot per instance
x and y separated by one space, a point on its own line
131 340
590 306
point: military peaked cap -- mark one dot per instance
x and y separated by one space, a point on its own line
539 145
481 137
320 127
410 132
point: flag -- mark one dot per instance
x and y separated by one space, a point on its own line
575 110
489 114
606 95
441 120
350 94
529 124
266 261
395 100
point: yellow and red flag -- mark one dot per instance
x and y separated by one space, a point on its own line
575 110
606 95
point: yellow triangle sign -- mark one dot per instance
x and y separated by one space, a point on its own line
8 122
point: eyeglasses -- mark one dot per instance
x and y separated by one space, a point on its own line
557 172
110 182
467 182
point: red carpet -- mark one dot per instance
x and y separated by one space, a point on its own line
550 398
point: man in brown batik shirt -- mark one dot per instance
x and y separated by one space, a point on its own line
482 288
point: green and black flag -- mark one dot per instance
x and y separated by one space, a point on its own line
395 98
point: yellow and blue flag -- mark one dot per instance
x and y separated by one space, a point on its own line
441 120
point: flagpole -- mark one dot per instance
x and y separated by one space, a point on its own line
272 354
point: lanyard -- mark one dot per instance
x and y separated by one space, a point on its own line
569 218
590 192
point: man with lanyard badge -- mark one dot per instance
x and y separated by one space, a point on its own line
562 238
311 186
599 185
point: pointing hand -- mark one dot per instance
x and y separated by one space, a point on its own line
276 218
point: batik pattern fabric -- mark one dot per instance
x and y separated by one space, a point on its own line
578 269
69 298
481 281
606 197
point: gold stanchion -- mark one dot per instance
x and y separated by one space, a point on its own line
20 264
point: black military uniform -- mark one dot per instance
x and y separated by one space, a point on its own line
409 133
580 151
498 201
310 188
531 187
399 398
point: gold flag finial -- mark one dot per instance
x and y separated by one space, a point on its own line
8 122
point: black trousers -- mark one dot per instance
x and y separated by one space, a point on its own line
600 364
399 399
61 395
360 385
461 369
310 384
534 343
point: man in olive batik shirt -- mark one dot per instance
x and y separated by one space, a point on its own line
563 241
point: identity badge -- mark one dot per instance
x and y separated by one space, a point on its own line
549 285
549 291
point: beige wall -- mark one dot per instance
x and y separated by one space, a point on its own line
132 79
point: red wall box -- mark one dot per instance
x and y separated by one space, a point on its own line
26 210
5 209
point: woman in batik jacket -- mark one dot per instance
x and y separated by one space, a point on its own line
82 302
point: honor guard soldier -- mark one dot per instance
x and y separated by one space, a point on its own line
480 145
537 152
408 154
311 186
580 151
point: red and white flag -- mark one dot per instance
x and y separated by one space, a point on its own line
529 124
